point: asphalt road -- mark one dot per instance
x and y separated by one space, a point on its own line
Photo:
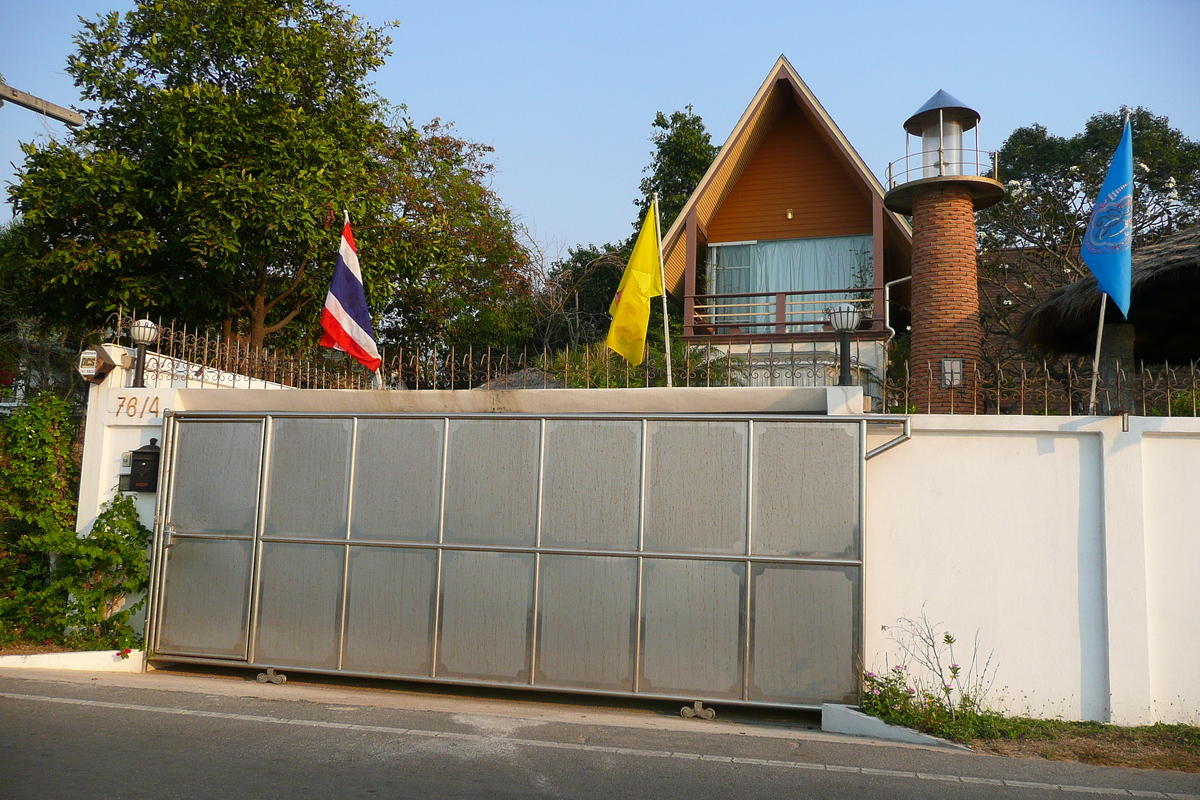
220 735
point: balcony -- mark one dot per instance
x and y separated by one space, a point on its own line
786 316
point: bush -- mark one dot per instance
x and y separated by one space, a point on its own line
57 587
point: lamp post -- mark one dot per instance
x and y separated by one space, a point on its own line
844 319
143 332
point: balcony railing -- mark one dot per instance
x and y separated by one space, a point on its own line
942 163
773 313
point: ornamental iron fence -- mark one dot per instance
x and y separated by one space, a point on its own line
199 359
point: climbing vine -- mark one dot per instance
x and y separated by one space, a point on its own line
57 587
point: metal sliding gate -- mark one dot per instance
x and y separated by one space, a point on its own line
698 557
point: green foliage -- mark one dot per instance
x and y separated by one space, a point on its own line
207 180
449 253
683 151
55 586
594 366
101 569
930 690
37 512
574 301
891 697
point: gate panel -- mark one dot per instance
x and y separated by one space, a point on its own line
389 614
300 604
692 628
804 634
398 479
806 490
216 478
486 613
206 605
209 547
309 483
586 628
696 487
591 494
492 466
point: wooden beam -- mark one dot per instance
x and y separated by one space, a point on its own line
26 100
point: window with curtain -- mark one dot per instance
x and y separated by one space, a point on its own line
788 265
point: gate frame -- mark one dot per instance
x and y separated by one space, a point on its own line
165 496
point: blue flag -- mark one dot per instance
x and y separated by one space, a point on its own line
1106 247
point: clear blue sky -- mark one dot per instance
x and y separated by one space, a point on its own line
566 91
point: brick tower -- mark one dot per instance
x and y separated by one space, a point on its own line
942 186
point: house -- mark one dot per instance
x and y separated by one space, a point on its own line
787 223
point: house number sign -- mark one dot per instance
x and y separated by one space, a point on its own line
133 407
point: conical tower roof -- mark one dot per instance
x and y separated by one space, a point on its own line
951 108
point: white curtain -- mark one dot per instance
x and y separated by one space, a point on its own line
791 265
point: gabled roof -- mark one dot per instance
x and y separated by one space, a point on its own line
739 149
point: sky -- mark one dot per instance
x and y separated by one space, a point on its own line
566 91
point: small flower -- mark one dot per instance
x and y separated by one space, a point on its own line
875 691
870 674
897 669
954 666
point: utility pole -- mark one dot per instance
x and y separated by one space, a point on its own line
26 100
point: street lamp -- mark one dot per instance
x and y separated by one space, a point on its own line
844 319
143 332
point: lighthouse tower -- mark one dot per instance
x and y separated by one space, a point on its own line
942 185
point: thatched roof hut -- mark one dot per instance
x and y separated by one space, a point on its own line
1164 308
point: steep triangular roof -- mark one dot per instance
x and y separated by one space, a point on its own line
740 148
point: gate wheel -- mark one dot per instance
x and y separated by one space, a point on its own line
272 676
697 709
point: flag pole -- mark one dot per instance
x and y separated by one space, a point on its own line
662 275
1096 358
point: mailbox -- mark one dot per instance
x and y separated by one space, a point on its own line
143 468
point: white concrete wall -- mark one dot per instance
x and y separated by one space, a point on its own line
1070 546
1171 468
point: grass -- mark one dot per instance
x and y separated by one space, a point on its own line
1160 746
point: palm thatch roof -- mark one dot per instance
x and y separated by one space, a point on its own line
1164 308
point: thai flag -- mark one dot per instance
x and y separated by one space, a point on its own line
346 320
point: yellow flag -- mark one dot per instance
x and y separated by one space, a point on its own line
642 280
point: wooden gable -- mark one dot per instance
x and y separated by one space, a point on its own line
785 152
793 168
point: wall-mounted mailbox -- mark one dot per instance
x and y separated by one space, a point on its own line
143 469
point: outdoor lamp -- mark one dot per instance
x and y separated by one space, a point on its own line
143 332
844 319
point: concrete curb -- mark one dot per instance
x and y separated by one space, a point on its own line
86 661
837 718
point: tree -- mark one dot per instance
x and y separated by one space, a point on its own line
1030 242
209 179
683 151
449 252
575 297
